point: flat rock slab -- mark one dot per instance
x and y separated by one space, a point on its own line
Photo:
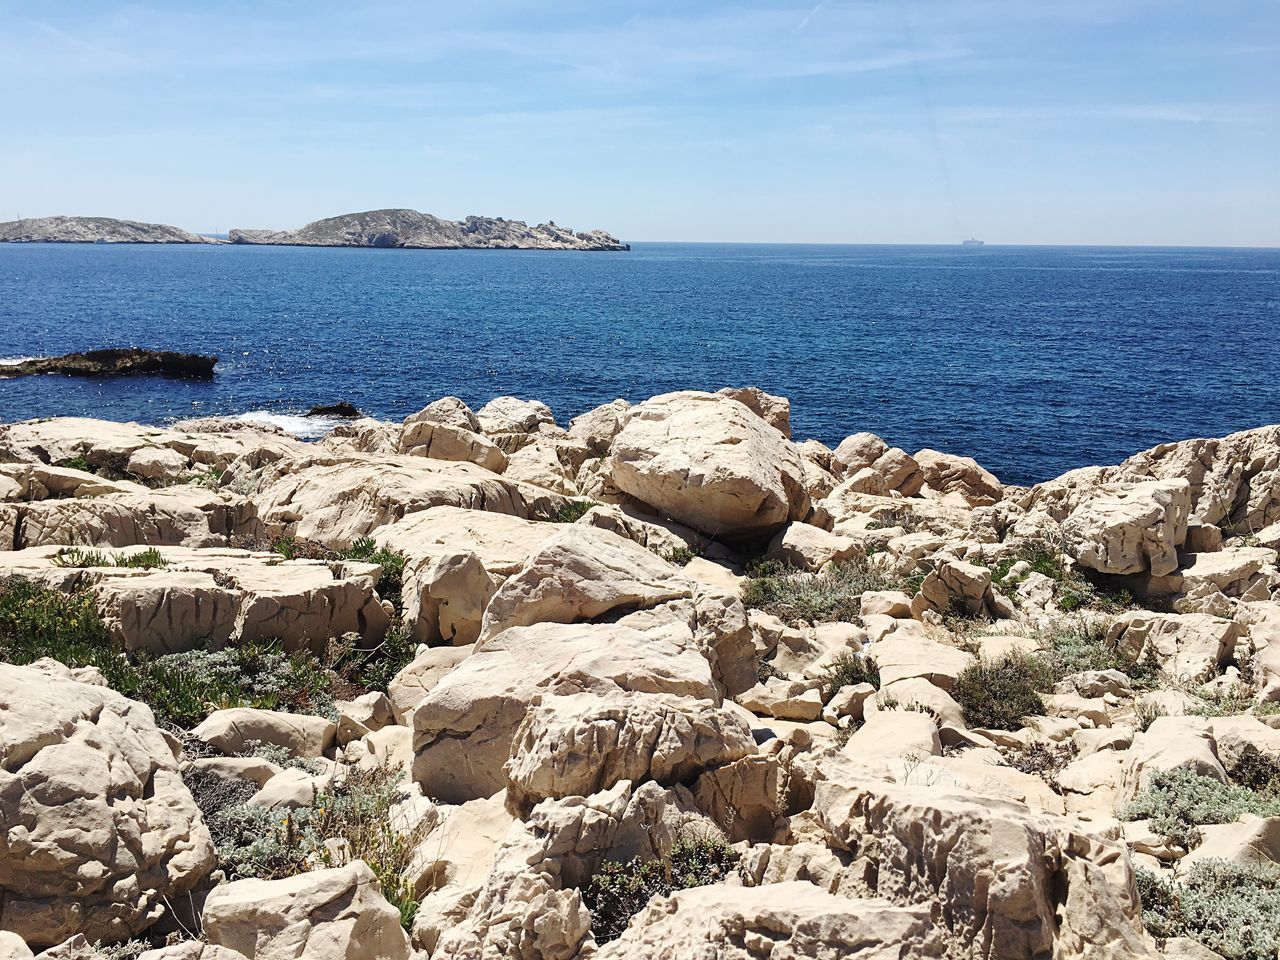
216 597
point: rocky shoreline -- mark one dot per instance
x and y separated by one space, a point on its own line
663 682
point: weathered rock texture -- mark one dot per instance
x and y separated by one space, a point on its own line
96 825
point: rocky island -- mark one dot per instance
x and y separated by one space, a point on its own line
409 228
663 682
93 230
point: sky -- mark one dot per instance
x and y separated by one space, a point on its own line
880 121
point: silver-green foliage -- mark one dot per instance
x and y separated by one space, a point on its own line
1178 802
1233 909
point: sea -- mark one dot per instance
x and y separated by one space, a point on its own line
1032 360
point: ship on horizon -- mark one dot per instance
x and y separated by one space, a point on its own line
973 242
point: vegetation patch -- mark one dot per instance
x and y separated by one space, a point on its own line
1230 908
680 556
1071 590
1178 802
997 693
358 813
78 462
572 511
793 595
618 891
1079 644
848 670
180 688
149 559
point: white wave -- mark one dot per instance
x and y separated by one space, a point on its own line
14 361
304 428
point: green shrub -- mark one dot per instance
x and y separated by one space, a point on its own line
391 580
997 693
792 595
78 462
847 670
572 511
1256 771
618 891
375 667
680 556
1178 802
1232 909
149 559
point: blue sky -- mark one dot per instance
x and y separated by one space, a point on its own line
888 121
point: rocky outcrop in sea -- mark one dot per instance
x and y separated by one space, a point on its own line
93 230
120 362
409 228
663 682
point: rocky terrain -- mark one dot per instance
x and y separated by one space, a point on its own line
93 230
665 682
409 228
123 362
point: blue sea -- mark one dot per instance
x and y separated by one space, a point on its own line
1033 360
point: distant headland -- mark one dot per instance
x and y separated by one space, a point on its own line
372 228
93 230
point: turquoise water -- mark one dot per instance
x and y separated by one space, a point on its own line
1033 360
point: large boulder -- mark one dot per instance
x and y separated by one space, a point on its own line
792 919
530 903
772 409
98 830
1235 480
945 473
334 914
580 744
465 725
708 461
455 561
1130 531
580 574
1191 646
1000 881
339 499
447 430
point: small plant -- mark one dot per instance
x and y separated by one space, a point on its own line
1042 760
794 596
1256 771
572 511
680 556
78 462
1233 909
391 581
1178 802
847 670
766 671
997 693
1145 714
618 891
